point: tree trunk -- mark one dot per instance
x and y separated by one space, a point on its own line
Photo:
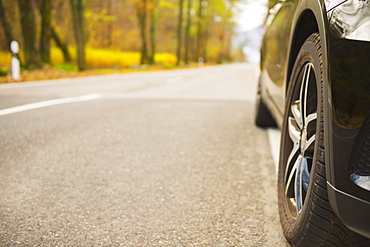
77 16
31 53
45 10
45 49
179 32
142 16
187 32
199 31
61 45
153 22
110 25
228 43
6 27
205 44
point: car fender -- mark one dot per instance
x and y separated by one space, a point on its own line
318 9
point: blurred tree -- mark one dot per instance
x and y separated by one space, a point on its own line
227 31
142 9
179 32
189 29
187 32
77 9
200 32
29 31
153 30
63 47
5 24
46 32
110 25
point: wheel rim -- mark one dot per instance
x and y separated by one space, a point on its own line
300 139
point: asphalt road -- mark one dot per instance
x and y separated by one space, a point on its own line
145 159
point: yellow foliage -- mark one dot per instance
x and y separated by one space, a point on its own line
99 58
5 60
214 52
56 56
165 58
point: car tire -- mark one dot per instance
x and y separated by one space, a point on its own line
263 117
305 213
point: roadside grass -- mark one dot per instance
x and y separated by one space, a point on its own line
5 63
103 58
99 61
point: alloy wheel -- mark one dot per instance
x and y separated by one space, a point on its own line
301 129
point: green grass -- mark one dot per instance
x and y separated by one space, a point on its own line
69 67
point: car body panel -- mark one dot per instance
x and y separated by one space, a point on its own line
344 28
275 51
349 84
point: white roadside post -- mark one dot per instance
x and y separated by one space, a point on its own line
200 62
14 47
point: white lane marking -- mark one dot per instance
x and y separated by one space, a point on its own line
49 103
274 139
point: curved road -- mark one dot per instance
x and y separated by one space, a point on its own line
145 159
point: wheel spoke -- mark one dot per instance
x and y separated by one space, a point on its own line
311 118
309 142
294 132
297 114
290 158
295 135
304 92
291 175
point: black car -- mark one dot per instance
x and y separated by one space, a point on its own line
315 85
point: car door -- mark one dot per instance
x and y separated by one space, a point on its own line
275 48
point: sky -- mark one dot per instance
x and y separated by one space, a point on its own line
252 14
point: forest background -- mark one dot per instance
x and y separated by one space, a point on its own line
76 35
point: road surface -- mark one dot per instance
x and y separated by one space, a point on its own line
145 159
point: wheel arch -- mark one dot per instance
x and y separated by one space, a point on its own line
311 17
305 26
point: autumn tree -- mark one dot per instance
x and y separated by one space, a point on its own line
188 29
109 26
62 45
142 10
179 31
200 30
225 11
46 32
29 31
57 35
187 32
5 24
77 10
152 29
